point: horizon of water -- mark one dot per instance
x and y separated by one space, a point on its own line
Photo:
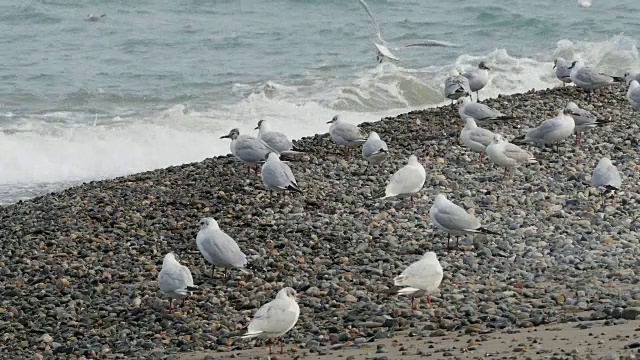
156 83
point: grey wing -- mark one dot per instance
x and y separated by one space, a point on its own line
273 317
373 20
481 111
252 150
606 176
454 217
424 275
287 171
371 147
186 273
277 140
275 176
482 136
518 154
543 130
224 251
431 43
591 77
172 279
351 133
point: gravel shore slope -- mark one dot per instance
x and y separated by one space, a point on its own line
79 267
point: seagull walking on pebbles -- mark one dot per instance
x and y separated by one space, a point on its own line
248 149
275 139
456 86
218 248
478 78
277 175
382 47
422 277
633 94
406 181
454 220
583 119
175 280
275 318
375 150
507 155
589 80
563 72
482 113
551 131
346 134
606 177
476 138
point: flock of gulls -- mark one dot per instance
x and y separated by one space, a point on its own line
277 317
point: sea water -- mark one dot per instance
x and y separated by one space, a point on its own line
156 83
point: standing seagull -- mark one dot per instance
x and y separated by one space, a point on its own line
590 80
275 139
406 181
275 318
421 277
583 119
563 72
633 94
507 155
476 138
480 112
248 149
277 175
346 134
175 280
454 220
218 248
382 47
551 131
375 150
607 177
456 86
478 78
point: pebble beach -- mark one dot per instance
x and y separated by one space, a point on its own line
79 267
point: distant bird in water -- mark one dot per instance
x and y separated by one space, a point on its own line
382 47
92 17
478 78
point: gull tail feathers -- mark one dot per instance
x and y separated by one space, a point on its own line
486 231
380 195
294 188
249 335
408 291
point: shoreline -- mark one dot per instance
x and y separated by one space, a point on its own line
80 265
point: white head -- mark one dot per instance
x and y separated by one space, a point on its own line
634 84
605 161
559 62
272 156
430 255
572 106
470 123
498 139
454 72
335 119
262 125
464 100
208 222
374 135
287 293
413 160
440 198
169 258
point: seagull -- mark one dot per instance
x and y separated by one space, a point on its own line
275 139
275 318
346 134
478 78
382 47
584 3
175 280
408 180
606 177
476 138
248 149
423 276
507 155
480 112
456 86
551 131
277 175
633 94
92 17
454 220
375 150
563 73
218 248
589 80
583 119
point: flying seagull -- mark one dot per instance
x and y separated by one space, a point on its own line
382 47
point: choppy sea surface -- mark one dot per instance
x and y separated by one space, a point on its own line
156 83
